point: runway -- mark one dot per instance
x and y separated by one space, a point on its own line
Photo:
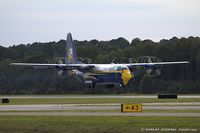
102 109
94 96
95 110
58 107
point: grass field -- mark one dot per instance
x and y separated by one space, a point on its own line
81 124
22 101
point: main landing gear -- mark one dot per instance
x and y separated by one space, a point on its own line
92 85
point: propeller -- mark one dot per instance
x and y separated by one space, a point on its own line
58 60
115 60
85 60
151 71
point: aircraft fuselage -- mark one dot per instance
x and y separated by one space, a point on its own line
107 74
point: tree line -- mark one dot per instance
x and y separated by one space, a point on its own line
173 78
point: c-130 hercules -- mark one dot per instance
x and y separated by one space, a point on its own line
94 74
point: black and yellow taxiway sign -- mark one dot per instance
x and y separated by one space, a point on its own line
131 108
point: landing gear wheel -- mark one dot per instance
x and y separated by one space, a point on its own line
121 85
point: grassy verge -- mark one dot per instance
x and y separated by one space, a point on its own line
52 124
22 101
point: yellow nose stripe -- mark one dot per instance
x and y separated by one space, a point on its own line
126 76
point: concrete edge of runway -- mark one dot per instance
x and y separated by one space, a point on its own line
97 114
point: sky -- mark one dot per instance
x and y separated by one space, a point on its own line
28 21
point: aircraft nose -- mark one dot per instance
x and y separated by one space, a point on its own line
126 76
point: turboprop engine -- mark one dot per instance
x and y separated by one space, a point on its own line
153 70
58 60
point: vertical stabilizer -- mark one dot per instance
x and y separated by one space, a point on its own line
71 56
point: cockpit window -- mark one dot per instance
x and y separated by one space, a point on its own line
121 68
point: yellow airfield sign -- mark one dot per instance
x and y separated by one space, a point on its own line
125 108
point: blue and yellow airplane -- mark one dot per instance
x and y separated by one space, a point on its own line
94 74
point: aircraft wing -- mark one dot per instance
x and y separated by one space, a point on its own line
84 66
156 63
51 66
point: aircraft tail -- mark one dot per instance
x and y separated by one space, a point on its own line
71 56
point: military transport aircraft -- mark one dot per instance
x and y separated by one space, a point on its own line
94 74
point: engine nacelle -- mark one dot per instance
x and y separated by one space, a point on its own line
153 70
